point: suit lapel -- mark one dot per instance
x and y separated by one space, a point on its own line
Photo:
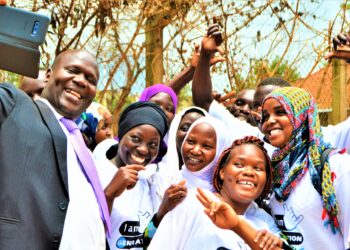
59 140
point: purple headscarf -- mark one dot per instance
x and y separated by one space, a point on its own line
159 88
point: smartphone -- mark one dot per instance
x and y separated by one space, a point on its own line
21 34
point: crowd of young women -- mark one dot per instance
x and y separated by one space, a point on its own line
200 184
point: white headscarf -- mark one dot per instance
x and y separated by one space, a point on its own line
204 177
172 157
167 170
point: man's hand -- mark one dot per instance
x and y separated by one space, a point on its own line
216 96
340 40
257 114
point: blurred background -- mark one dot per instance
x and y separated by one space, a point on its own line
142 42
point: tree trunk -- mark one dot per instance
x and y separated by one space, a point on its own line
154 52
339 93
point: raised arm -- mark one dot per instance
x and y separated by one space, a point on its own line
186 75
341 48
181 79
201 85
223 216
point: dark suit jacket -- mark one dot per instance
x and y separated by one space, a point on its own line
33 173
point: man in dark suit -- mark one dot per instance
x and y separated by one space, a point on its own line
44 196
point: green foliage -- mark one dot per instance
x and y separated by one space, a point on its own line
10 77
263 69
112 97
185 97
284 70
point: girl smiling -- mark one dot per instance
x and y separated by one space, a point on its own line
242 174
309 203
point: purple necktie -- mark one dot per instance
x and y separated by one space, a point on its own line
89 168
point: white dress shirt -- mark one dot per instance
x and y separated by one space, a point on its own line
83 226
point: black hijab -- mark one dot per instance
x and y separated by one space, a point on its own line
140 113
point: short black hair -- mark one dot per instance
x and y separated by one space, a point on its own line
275 81
192 110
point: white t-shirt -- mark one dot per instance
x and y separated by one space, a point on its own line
83 226
201 178
338 135
237 128
188 227
131 211
299 217
162 179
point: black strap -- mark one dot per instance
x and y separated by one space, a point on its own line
324 156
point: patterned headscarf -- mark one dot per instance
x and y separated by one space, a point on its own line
159 88
92 120
303 151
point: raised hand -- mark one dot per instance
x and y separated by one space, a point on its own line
221 214
341 46
267 240
216 96
172 197
341 40
195 57
212 41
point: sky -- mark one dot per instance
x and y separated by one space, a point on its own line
327 10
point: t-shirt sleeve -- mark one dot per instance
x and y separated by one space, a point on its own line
174 231
237 128
340 166
338 135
